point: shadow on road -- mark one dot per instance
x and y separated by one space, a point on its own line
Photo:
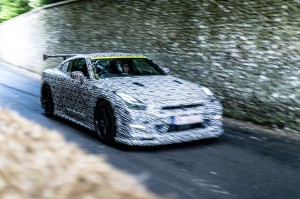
198 143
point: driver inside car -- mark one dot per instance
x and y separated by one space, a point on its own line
124 68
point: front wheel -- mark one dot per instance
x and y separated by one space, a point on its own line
47 101
104 121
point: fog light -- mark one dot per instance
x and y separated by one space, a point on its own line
217 117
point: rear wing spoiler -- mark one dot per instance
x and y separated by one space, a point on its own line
64 56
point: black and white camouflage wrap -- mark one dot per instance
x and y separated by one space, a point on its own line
164 95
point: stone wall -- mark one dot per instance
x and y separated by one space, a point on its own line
247 52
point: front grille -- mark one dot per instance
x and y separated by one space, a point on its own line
173 128
182 106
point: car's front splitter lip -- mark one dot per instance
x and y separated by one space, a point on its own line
144 139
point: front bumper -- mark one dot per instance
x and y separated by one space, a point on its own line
149 128
146 139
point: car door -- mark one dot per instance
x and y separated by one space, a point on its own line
59 90
78 91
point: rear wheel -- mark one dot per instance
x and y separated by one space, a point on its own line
104 122
47 101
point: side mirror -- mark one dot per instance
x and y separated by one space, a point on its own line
77 75
166 70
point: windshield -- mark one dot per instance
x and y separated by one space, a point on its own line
118 67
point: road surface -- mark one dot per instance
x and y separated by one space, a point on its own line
243 163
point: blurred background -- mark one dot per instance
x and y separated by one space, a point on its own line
247 52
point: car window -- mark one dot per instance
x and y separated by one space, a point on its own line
112 67
78 65
144 67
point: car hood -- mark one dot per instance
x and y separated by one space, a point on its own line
164 90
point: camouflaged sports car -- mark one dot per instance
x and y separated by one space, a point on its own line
130 99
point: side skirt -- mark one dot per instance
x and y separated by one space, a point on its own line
80 123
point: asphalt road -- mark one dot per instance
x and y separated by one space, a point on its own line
242 163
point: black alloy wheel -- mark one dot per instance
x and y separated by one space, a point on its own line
47 101
104 122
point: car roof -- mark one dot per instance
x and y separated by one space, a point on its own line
112 55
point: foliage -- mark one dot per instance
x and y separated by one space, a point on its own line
13 8
38 3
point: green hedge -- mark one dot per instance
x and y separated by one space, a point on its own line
13 8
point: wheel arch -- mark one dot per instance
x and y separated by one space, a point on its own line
103 99
44 84
108 103
49 107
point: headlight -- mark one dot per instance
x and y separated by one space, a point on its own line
207 91
132 102
217 117
209 94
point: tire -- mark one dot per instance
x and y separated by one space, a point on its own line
104 122
47 101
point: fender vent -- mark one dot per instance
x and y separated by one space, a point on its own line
177 81
139 84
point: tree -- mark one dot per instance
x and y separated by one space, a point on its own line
13 8
38 3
